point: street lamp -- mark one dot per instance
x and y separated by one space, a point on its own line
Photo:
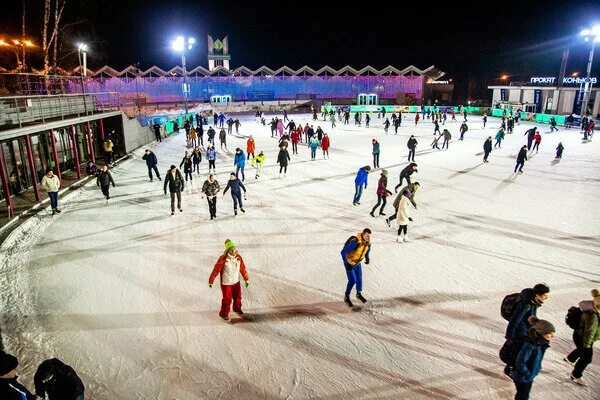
180 45
82 49
593 36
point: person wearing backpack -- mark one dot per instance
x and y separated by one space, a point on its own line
584 337
517 308
528 362
355 250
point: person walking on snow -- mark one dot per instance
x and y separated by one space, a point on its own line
313 144
296 137
537 138
362 178
193 137
382 193
174 181
325 143
151 163
211 135
103 181
585 336
280 128
412 147
237 124
403 217
521 158
283 158
417 118
187 167
51 184
410 192
406 173
229 267
559 150
223 139
210 189
376 151
211 156
156 129
196 159
250 147
530 133
239 162
356 249
259 160
499 138
221 120
487 148
236 193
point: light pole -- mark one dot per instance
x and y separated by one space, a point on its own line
593 36
180 45
82 49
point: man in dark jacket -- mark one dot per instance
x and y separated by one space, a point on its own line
487 148
58 380
236 193
210 188
211 135
175 182
406 173
10 388
103 180
151 162
156 128
530 133
521 158
531 299
412 146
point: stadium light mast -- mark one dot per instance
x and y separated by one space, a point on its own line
180 45
592 36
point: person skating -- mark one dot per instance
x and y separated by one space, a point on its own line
332 118
273 125
530 133
104 180
484 119
236 187
151 163
174 181
376 151
559 150
521 158
537 139
382 193
229 267
188 167
406 173
356 249
436 127
386 125
193 138
156 129
487 148
553 125
259 160
283 158
211 135
285 116
196 159
463 129
585 336
280 128
412 147
239 162
10 388
499 138
215 118
221 120
417 118
51 184
237 124
57 380
434 143
283 141
250 146
410 191
325 143
223 139
403 216
447 137
397 122
362 179
569 121
210 189
313 143
510 124
295 138
211 156
529 358
367 120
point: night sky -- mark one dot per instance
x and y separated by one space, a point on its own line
468 42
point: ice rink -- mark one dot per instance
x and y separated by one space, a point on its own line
119 290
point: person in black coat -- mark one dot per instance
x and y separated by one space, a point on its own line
236 193
156 128
530 135
10 388
412 146
282 158
521 158
151 162
487 148
103 180
58 380
187 167
175 182
406 173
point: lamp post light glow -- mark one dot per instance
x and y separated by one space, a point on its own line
179 45
82 49
589 35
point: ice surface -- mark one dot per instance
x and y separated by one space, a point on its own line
120 292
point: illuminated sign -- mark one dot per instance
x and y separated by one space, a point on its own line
439 82
566 81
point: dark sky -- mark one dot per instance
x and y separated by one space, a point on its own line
519 38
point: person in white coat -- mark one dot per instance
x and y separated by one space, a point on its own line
403 217
51 184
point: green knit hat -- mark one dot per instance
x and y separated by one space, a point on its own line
229 244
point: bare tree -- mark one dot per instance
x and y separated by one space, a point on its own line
47 42
58 11
23 34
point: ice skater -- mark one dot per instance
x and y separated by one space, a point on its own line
356 249
250 146
104 180
382 193
282 159
487 148
553 125
434 143
196 159
188 167
325 143
412 147
223 139
386 125
406 173
236 193
174 181
463 129
417 118
239 162
521 158
376 151
537 139
403 217
362 179
210 189
237 124
559 150
313 144
410 192
436 127
499 138
530 133
295 138
258 162
211 156
447 137
229 267
151 163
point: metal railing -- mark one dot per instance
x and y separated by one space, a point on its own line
17 111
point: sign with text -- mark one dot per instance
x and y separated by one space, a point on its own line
569 80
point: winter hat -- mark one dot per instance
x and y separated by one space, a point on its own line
542 327
384 172
541 288
229 244
596 296
8 362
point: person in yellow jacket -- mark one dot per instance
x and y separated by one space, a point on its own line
356 249
259 160
51 184
108 149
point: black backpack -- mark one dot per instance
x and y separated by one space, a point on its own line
510 350
573 318
351 239
508 305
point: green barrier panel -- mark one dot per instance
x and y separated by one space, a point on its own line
169 127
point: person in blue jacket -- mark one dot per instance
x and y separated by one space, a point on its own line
151 163
211 156
361 179
529 359
356 249
10 388
236 193
531 299
239 162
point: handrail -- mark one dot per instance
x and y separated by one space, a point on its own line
58 95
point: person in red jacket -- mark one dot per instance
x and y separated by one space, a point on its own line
416 118
229 266
250 147
382 193
296 137
537 138
325 143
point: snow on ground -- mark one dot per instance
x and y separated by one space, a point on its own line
120 290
